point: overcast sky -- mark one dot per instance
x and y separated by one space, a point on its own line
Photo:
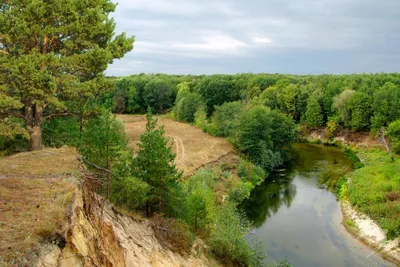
273 36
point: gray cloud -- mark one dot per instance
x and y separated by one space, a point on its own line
288 36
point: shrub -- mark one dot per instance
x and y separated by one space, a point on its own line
394 135
227 240
61 131
199 205
129 192
188 106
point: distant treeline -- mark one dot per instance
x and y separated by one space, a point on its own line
356 101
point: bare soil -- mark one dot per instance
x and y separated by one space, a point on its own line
35 195
192 146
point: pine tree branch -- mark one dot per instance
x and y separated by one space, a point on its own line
11 113
59 115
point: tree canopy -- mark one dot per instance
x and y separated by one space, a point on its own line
53 51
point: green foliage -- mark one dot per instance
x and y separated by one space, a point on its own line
129 192
61 131
216 90
354 158
372 187
51 52
341 104
265 136
225 118
199 200
361 111
227 240
159 95
201 121
394 135
13 136
154 165
386 105
314 115
187 107
250 172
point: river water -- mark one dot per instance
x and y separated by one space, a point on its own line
295 216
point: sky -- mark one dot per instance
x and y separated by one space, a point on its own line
259 36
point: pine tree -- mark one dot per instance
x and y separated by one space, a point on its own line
154 164
53 51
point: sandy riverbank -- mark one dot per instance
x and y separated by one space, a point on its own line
366 230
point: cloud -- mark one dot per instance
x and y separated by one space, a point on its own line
215 42
228 36
262 40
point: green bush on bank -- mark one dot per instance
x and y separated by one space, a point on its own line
375 189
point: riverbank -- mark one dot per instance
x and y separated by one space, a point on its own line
370 195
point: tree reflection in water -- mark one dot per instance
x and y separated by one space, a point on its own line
266 199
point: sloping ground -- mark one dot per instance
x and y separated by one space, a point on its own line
35 195
45 222
348 137
193 147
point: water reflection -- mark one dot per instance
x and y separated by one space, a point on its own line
266 199
296 218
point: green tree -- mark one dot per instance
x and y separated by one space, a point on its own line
225 118
266 136
217 89
386 105
51 51
154 164
342 105
361 111
187 107
105 145
158 94
314 115
199 200
394 135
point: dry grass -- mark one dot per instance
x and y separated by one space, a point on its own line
193 147
47 162
35 198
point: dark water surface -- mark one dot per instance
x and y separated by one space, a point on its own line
298 219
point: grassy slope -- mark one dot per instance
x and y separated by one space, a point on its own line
375 188
35 195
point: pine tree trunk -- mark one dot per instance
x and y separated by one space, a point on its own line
34 124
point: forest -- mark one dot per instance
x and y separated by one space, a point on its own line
54 92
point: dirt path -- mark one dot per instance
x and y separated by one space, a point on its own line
192 146
180 150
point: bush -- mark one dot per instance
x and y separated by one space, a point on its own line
227 240
199 205
129 192
173 234
394 135
61 131
373 187
13 136
225 118
188 106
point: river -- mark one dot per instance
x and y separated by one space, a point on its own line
296 217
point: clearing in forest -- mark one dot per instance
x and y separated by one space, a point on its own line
192 146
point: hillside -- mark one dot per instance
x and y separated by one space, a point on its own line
193 147
46 221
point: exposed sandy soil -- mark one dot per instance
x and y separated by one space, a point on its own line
348 137
193 147
371 234
35 193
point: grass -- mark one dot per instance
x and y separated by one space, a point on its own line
192 146
375 189
35 192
